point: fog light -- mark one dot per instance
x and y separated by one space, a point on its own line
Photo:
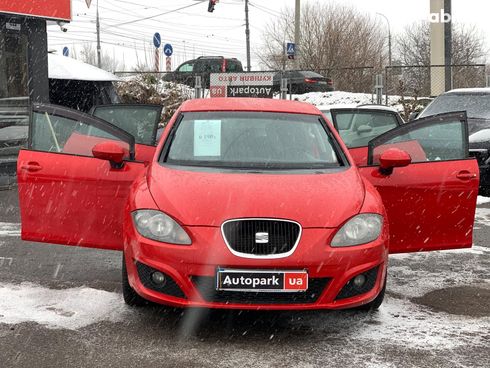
158 278
359 281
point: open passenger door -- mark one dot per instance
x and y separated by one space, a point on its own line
66 194
431 202
139 120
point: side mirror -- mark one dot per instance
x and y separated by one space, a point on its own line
110 151
413 116
364 129
391 158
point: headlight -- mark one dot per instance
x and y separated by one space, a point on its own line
158 226
360 229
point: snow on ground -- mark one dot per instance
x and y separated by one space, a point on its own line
482 200
67 308
9 229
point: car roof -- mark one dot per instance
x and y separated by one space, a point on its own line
462 91
353 106
248 104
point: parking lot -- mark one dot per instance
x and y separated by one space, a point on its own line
62 306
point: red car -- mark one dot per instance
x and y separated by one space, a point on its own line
248 203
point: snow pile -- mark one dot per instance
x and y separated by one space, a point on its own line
9 229
345 98
480 136
67 308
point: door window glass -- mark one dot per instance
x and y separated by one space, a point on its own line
357 128
186 68
441 141
52 133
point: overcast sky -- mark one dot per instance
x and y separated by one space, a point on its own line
192 31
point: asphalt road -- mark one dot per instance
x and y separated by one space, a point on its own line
62 307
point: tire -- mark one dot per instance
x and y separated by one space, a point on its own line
376 303
484 191
131 297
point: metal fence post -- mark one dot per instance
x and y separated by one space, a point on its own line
198 87
387 86
488 81
379 89
284 88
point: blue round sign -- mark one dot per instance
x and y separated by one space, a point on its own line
157 40
66 51
168 49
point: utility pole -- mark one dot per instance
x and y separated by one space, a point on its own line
97 25
448 50
297 34
389 37
247 35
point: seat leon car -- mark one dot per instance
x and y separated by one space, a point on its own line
248 203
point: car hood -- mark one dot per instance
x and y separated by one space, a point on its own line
208 198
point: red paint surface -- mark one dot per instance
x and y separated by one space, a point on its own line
52 9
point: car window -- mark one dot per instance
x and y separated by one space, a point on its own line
52 133
139 121
187 67
442 141
358 127
252 140
232 66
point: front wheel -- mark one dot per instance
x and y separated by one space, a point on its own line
131 297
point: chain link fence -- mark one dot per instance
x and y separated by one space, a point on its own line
422 81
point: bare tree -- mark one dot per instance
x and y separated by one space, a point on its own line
337 40
413 49
88 54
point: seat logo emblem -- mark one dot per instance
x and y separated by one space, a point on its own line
261 238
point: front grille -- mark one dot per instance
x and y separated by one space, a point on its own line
350 290
170 287
242 236
207 288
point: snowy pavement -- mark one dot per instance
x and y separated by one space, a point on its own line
62 306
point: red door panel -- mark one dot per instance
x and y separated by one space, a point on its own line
430 203
428 206
73 200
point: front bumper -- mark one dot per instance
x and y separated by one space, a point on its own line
192 269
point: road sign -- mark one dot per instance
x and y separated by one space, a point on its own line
88 3
290 50
157 40
66 51
168 49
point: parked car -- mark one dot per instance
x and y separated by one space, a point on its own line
303 81
203 66
248 203
357 125
476 103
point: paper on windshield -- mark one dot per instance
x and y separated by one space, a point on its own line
207 137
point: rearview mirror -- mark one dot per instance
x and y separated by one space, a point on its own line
391 158
110 151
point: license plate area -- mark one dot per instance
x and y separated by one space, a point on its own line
262 280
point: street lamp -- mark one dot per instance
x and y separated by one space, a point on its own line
389 37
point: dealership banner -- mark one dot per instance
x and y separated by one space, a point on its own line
49 9
256 84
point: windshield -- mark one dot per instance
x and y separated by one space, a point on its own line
249 140
476 105
358 127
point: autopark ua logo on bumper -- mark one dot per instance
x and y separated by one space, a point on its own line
262 280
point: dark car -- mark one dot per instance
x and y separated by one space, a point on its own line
203 66
303 81
476 103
